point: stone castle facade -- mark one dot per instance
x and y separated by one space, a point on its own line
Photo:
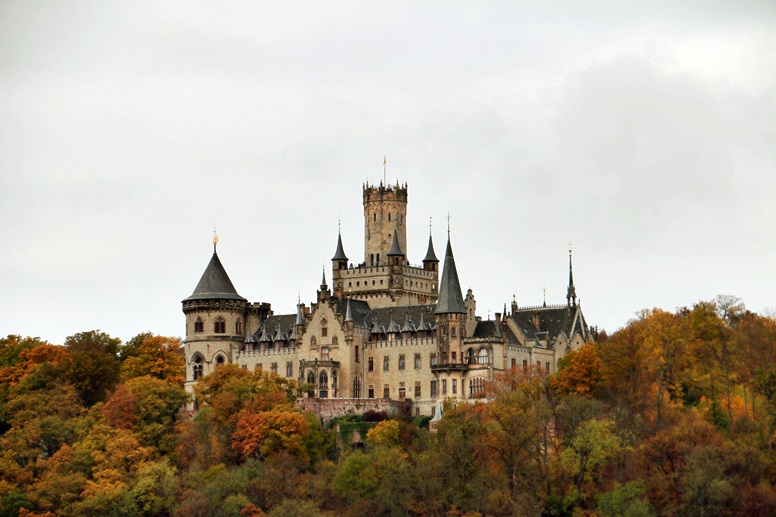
385 329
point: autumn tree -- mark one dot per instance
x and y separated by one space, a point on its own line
156 356
92 364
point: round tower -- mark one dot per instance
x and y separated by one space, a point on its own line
385 214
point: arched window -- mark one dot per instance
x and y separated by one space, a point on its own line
470 356
238 327
313 342
219 326
220 360
323 385
482 356
356 388
324 329
197 368
311 382
199 325
334 383
476 387
334 341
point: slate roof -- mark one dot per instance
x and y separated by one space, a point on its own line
450 298
215 284
395 248
430 255
280 322
486 329
340 253
552 320
383 316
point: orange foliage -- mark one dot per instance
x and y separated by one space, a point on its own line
578 372
266 432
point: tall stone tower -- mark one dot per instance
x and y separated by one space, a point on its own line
385 214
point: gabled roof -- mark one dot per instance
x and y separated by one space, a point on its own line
215 284
487 329
450 298
554 320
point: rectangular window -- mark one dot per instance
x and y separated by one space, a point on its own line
417 389
244 367
525 364
452 332
547 367
386 391
401 362
444 386
539 364
433 388
452 357
386 363
402 393
274 368
454 387
324 332
371 392
355 349
324 353
514 362
370 364
433 360
258 366
289 369
417 361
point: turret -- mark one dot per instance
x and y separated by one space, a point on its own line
431 262
339 260
451 311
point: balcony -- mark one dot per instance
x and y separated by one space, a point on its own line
449 367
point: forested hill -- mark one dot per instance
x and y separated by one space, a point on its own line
674 414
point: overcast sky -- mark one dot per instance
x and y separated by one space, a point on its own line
643 132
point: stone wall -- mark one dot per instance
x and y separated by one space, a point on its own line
326 409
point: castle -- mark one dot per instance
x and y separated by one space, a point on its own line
385 329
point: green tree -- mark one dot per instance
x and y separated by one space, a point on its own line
92 364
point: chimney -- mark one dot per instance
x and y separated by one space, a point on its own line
498 317
537 322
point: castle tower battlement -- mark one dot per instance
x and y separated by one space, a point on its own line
385 214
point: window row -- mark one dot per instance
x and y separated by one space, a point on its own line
219 326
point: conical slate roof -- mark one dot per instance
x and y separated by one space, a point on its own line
215 284
340 253
450 298
395 248
430 255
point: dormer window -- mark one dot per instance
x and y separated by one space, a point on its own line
219 326
199 326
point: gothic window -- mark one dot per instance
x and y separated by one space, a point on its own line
483 356
356 388
219 327
199 325
323 385
334 383
476 387
334 341
311 382
198 367
324 353
220 360
313 342
470 356
238 327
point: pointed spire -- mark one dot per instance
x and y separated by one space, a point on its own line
450 298
340 253
430 255
544 303
324 287
348 314
299 318
395 248
571 292
214 283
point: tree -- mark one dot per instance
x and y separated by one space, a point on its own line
92 364
156 356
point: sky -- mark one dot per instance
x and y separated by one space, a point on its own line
641 132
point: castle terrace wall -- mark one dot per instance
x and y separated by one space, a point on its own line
326 409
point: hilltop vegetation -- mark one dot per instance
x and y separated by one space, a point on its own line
674 414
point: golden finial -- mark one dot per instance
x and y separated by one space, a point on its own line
215 239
